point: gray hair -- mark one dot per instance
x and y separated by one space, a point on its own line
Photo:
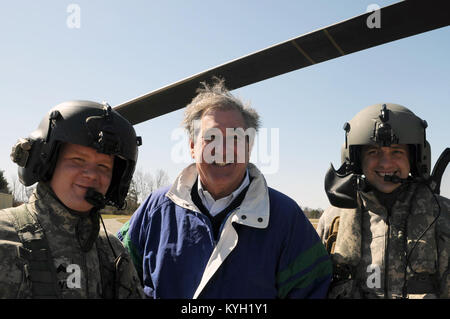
217 96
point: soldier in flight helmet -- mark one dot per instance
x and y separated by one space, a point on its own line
82 157
387 230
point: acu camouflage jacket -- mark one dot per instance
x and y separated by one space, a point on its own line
373 245
57 266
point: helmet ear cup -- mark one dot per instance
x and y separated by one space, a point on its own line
52 160
420 160
352 156
40 163
118 188
425 161
29 169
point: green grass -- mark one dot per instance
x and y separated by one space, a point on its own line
120 218
108 216
124 218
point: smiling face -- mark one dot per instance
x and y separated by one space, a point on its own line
380 161
78 168
221 158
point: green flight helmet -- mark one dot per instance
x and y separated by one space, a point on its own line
86 123
383 125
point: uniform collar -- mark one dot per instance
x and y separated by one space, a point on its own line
375 201
52 214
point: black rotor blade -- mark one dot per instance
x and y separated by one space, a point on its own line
397 21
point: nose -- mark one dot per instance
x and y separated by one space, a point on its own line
223 153
385 159
90 171
236 149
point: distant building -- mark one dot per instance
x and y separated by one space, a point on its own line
6 200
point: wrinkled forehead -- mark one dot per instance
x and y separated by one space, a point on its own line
218 119
222 118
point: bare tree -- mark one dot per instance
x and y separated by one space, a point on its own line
144 184
16 189
132 199
161 178
20 192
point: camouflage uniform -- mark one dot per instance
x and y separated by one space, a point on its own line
64 232
373 241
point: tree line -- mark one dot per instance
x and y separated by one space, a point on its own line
4 186
312 213
142 184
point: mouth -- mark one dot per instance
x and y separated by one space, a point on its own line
85 188
221 164
383 174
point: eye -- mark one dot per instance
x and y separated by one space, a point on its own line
399 152
240 140
209 138
77 160
105 167
232 139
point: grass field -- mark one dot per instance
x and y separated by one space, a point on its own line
124 218
120 218
314 222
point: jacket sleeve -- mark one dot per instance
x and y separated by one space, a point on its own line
131 234
443 243
14 281
305 267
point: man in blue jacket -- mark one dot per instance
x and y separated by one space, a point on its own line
219 231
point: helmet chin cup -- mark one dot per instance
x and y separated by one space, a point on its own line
341 187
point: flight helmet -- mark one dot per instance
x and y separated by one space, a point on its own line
85 123
383 125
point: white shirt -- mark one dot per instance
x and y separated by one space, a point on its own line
216 206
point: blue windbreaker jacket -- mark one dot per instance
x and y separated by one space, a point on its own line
267 247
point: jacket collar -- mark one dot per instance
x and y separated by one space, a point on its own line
372 202
46 202
54 215
254 210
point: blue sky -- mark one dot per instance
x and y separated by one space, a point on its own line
126 49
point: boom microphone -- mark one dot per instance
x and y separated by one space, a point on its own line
395 179
95 198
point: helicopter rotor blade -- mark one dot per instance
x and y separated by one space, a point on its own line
396 21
